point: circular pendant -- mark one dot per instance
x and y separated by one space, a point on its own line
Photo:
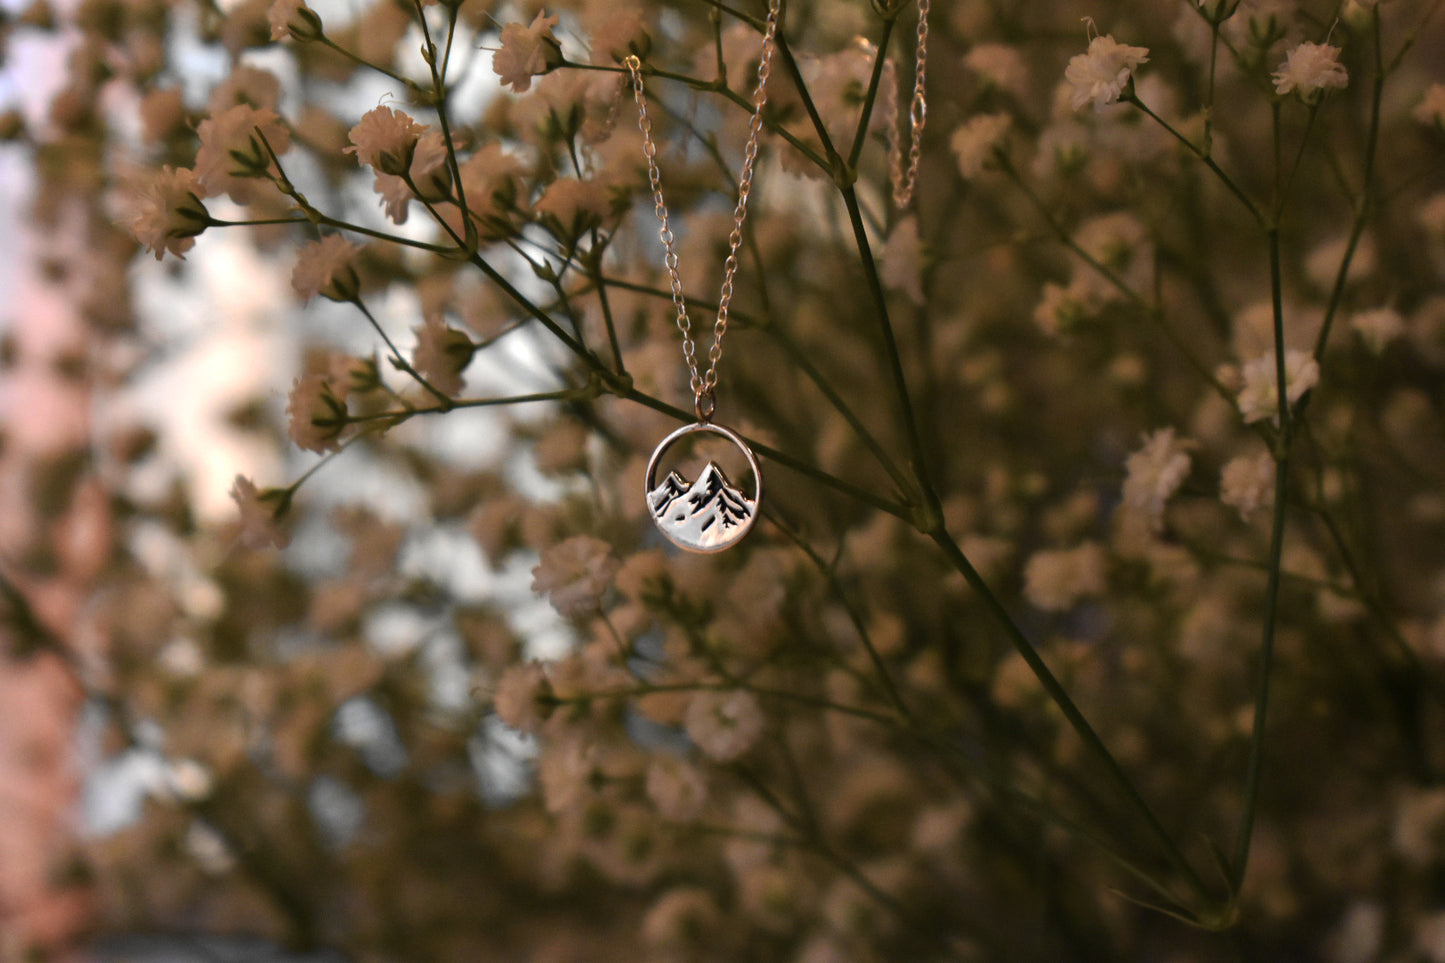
707 514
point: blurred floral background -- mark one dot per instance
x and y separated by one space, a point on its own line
1097 606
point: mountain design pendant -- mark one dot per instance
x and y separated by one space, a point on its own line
708 514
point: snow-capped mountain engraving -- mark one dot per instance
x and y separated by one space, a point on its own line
706 513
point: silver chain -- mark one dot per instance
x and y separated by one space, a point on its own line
905 179
704 384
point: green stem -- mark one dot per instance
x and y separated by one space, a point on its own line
1076 719
1255 766
400 362
414 88
1203 156
860 136
566 395
1363 207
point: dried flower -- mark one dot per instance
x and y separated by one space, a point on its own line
998 65
442 354
575 573
260 514
294 19
1431 109
1055 579
318 416
676 787
324 267
901 260
1309 69
1259 398
233 155
527 52
724 725
975 142
1101 74
1155 472
385 140
1247 483
1378 328
524 697
573 206
169 213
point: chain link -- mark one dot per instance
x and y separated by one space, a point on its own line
704 384
905 179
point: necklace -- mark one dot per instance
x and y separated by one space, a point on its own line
708 514
905 178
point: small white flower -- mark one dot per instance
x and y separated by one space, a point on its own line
900 261
527 52
1155 472
999 65
676 788
1054 579
259 526
294 19
1101 74
1247 483
1062 308
523 696
1378 328
575 573
189 780
975 141
324 267
442 354
724 724
1259 398
168 213
1308 69
1431 110
317 413
233 155
385 140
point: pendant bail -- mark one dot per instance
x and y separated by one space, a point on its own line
704 402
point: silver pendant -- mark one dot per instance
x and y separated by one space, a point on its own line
708 514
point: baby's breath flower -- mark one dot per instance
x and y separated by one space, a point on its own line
573 206
260 512
527 52
574 574
385 140
975 141
524 697
1259 398
621 32
1101 74
1155 472
232 156
317 414
680 919
900 260
1378 327
324 267
676 787
1309 69
1431 108
294 19
430 172
1055 579
724 725
1063 307
442 354
998 65
169 214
